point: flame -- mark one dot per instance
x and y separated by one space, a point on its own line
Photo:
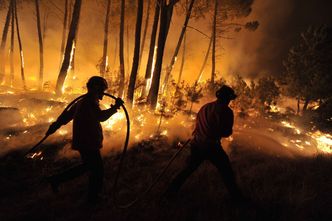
70 67
22 57
106 65
323 140
149 81
62 132
35 155
112 121
164 132
274 109
289 125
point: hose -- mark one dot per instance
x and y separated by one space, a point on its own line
122 157
139 197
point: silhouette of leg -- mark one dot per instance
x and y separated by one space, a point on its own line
194 160
94 163
66 175
219 159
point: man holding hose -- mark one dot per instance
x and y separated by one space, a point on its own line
214 121
87 137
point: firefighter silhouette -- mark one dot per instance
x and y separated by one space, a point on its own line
87 137
214 121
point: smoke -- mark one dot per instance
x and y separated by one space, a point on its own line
261 52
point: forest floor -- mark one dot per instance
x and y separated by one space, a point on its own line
278 168
282 184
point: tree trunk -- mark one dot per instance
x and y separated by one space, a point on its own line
41 48
298 106
165 20
144 33
73 54
305 105
64 32
204 62
213 69
149 64
69 46
134 69
182 61
115 52
128 48
12 47
121 57
20 46
3 42
103 65
176 52
191 107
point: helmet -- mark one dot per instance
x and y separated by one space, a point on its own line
226 92
97 82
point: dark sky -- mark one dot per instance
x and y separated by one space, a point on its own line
281 22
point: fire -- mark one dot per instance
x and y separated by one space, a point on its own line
274 109
287 124
111 122
149 81
35 155
63 132
324 141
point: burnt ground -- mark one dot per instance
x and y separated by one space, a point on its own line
280 186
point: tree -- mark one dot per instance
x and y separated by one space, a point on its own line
41 48
244 95
64 31
103 65
267 91
69 46
165 20
121 49
19 45
193 94
308 66
177 48
213 36
144 33
223 16
3 42
11 51
134 69
148 70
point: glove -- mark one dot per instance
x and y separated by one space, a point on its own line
118 103
53 127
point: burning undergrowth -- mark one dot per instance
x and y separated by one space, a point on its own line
26 117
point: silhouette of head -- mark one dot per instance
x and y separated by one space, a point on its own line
97 85
226 94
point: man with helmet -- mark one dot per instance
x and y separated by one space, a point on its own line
87 136
214 121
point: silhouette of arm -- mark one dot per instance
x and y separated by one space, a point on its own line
103 115
66 116
63 119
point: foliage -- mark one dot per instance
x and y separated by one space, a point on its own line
178 97
193 94
308 66
210 88
244 94
267 91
